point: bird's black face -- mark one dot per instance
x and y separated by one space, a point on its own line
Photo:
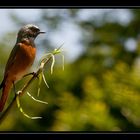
29 31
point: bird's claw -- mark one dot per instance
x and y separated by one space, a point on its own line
32 73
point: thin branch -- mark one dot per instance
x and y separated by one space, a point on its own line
35 75
36 99
21 110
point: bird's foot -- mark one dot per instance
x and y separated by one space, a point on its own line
31 73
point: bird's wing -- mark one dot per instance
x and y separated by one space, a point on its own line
11 58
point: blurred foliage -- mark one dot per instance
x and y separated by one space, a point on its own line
99 91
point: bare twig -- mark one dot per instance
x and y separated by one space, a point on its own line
43 63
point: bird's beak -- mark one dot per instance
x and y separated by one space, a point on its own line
41 32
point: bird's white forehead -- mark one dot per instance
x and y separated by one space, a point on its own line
31 25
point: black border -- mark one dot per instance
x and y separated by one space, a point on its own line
67 3
71 135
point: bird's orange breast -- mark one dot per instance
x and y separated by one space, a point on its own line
24 58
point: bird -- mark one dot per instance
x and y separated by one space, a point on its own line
20 60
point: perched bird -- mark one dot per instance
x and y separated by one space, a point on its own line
20 60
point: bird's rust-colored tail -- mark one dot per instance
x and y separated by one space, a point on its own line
5 90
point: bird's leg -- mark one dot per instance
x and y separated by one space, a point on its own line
31 73
14 88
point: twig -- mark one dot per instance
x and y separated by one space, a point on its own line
35 75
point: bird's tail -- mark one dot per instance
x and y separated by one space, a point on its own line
6 88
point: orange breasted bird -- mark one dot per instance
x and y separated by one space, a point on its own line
20 60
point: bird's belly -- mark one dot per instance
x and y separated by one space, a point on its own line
20 74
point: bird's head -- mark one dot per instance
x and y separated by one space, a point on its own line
29 31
